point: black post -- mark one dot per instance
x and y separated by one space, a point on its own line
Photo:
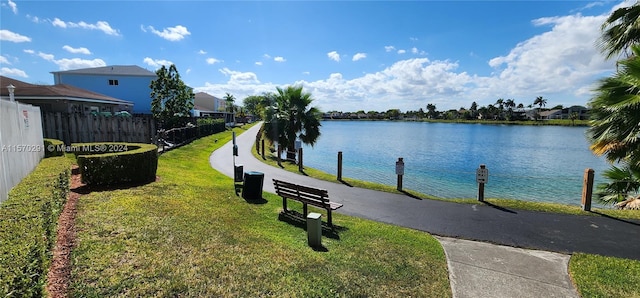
340 165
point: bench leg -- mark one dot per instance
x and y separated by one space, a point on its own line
304 209
284 205
329 218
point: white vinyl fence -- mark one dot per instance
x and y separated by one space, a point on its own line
21 143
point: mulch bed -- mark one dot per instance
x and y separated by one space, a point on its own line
60 270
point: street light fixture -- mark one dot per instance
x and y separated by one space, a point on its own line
11 89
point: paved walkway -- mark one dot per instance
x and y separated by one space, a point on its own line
483 223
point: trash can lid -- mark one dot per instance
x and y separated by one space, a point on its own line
254 173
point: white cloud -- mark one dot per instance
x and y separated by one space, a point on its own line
29 51
176 33
213 61
279 59
389 48
560 60
266 56
13 37
334 56
156 62
237 77
13 72
259 63
14 7
306 73
401 51
4 60
202 52
100 26
76 50
413 38
73 63
359 56
416 51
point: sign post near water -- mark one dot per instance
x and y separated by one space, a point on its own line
400 172
482 177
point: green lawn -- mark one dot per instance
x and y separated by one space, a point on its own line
598 276
188 234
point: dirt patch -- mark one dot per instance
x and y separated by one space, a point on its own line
60 270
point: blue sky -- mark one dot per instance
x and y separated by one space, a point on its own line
355 55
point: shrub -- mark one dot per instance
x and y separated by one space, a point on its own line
116 163
28 227
53 148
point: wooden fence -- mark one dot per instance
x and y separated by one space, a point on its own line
78 128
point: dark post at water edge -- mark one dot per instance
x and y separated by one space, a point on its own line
339 165
587 189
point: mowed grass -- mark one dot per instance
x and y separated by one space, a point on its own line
598 276
189 235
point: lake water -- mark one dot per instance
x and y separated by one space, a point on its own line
532 163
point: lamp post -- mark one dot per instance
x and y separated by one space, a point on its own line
12 90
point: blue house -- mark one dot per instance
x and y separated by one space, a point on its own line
126 82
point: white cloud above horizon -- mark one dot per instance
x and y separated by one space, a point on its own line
13 37
176 33
100 26
80 50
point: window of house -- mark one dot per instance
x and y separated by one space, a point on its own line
113 82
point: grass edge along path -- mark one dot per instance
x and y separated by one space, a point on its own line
594 275
188 234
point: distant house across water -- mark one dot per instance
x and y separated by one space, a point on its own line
126 82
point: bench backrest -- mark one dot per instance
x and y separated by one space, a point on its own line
301 192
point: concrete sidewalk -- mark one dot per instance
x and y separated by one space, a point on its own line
477 268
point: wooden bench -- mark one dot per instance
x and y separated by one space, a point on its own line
306 195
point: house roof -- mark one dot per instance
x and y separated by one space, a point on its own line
26 91
124 70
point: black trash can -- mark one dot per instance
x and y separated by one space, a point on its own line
252 188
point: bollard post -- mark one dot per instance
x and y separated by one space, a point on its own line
300 166
482 177
340 165
263 149
314 229
587 189
400 172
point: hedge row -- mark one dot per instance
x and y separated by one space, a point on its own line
53 148
116 163
28 228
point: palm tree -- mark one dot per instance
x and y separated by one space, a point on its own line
541 102
500 105
431 111
510 104
615 116
291 118
622 190
620 31
229 100
615 123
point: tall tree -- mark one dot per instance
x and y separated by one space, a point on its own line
292 117
510 104
431 111
171 97
252 105
230 106
540 102
615 117
620 31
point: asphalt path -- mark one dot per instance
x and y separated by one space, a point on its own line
599 234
